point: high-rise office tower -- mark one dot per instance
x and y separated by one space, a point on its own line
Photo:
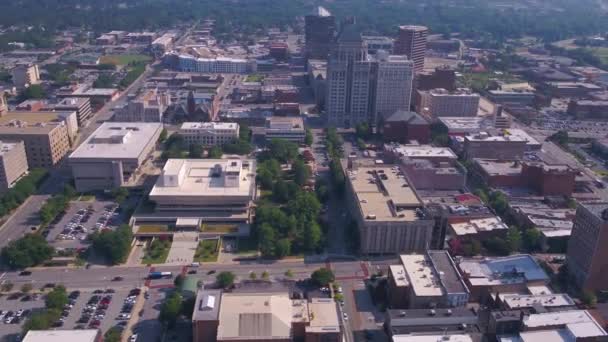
411 42
348 80
320 31
391 85
587 252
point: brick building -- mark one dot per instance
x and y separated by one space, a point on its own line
404 126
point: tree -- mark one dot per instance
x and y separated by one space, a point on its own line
120 194
26 288
265 178
7 286
57 298
267 240
41 320
215 153
225 279
531 239
179 280
312 236
289 273
282 150
30 250
188 307
497 246
34 91
104 81
265 275
560 138
113 335
280 192
308 139
322 276
114 245
171 309
253 275
588 298
301 172
283 248
163 135
195 151
362 131
514 239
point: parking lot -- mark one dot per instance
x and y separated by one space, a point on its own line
81 219
148 328
102 308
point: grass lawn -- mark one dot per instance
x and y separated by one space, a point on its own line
247 246
254 78
219 228
123 59
152 229
207 251
157 252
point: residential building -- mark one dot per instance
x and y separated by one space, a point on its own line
586 256
25 75
47 136
13 163
288 128
411 41
86 335
82 107
240 316
425 322
485 276
111 157
390 217
319 33
404 126
215 65
377 43
209 190
431 280
149 107
391 85
437 103
209 133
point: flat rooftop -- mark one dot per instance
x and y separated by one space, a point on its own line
580 323
323 315
210 125
421 151
432 338
118 140
384 193
448 274
7 146
421 275
207 305
206 178
398 273
494 167
24 122
486 136
457 124
515 301
479 225
88 335
258 316
514 269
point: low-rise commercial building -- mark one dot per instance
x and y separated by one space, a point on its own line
210 190
571 89
433 175
13 163
390 216
427 280
485 276
274 316
461 126
396 152
47 136
588 108
476 230
209 133
97 96
512 97
437 103
434 338
162 44
87 335
288 128
501 146
149 107
572 325
549 301
111 157
423 322
405 126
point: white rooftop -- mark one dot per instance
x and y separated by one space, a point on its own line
513 300
399 275
432 338
514 269
478 225
88 335
117 140
206 178
421 275
469 124
579 323
421 151
210 125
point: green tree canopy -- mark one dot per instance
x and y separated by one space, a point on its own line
170 309
114 245
322 276
57 298
30 250
225 279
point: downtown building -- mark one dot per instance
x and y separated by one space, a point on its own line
411 41
320 30
362 88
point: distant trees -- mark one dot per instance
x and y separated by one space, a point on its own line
114 245
30 250
195 151
242 145
112 335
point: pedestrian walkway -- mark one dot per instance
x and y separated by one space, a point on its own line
183 248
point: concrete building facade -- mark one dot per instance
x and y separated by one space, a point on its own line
149 107
25 75
392 90
209 133
13 163
436 103
411 41
82 107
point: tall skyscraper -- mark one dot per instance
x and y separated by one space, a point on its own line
411 42
362 88
392 85
348 80
320 31
587 252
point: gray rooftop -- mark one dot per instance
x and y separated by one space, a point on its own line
207 305
448 274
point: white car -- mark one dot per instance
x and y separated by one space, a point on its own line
133 338
345 315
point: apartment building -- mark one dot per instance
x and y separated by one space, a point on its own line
436 103
47 136
209 133
390 216
111 157
25 75
13 163
587 255
149 107
411 41
82 107
263 316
